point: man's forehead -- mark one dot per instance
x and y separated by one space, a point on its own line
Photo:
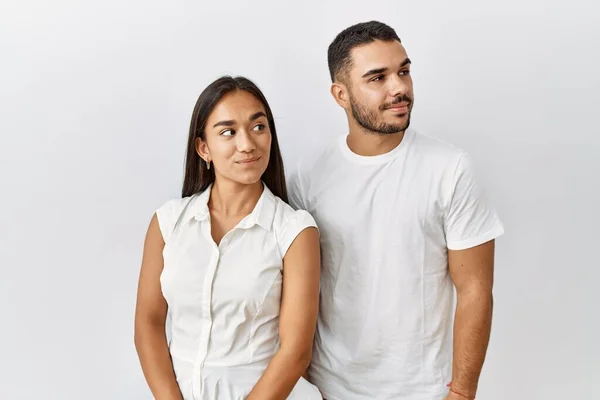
378 54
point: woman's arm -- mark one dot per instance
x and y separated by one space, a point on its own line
297 319
150 318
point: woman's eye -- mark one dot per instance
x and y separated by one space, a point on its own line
259 127
228 132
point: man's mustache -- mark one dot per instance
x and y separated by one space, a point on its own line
398 100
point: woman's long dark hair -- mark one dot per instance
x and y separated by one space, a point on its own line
197 176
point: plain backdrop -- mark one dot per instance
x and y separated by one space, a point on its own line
95 102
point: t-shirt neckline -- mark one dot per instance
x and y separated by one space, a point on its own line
378 159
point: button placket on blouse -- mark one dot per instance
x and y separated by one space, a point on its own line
206 308
207 301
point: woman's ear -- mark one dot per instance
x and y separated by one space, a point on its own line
202 149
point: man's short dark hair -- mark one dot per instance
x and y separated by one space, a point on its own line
338 53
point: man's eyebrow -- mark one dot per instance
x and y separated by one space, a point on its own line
376 71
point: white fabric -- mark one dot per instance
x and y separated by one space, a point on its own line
386 222
224 300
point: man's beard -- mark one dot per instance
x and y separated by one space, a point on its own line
368 119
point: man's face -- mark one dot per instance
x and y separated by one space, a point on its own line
380 87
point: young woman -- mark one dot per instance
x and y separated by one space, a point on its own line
235 267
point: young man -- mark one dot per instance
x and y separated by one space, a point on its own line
403 222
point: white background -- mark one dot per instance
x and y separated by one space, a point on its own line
95 101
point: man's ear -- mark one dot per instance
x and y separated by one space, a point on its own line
340 94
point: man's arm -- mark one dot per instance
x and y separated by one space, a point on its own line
472 271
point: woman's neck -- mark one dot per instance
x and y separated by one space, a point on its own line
234 199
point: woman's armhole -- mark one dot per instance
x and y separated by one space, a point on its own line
298 223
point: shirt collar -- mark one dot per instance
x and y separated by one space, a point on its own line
262 215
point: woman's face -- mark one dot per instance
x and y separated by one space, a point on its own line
237 139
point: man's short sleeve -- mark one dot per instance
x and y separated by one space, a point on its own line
294 188
470 219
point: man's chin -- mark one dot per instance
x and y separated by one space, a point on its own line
390 132
405 123
399 128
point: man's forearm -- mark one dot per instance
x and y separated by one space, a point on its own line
472 326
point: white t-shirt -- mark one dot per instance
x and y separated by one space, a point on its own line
386 222
224 300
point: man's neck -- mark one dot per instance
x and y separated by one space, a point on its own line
372 144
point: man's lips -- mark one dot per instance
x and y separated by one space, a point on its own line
400 107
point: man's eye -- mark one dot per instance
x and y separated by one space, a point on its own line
405 72
378 78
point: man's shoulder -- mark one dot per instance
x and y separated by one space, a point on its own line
436 153
435 147
315 161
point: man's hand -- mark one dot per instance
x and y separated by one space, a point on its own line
454 396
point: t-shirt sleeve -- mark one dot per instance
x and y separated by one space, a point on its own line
470 219
296 223
167 215
294 188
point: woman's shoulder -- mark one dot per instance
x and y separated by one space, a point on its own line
170 212
285 213
174 206
288 223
